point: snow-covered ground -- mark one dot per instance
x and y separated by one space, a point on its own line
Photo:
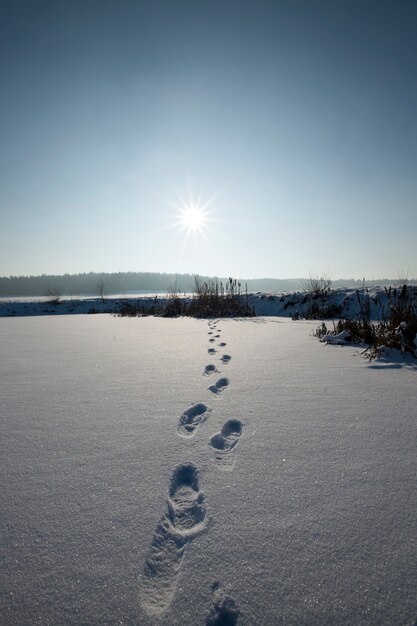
337 303
142 486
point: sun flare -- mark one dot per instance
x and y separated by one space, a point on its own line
194 215
193 218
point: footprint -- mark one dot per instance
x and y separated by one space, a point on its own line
220 385
224 444
211 351
222 344
186 510
224 611
210 369
191 419
211 340
210 332
225 358
183 520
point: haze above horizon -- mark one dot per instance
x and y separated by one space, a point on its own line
238 138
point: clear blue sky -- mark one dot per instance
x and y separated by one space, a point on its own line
294 120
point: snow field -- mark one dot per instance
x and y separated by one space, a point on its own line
289 499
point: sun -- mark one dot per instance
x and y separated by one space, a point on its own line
193 218
195 214
192 214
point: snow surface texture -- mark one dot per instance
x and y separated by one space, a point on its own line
293 501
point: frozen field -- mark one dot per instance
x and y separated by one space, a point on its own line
141 487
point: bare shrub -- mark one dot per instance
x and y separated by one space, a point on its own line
317 286
175 305
317 291
397 330
54 294
101 289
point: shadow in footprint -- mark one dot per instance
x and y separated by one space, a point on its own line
219 386
211 340
226 358
224 444
184 520
191 419
222 344
210 369
224 611
212 351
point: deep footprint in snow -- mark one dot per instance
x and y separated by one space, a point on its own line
224 444
191 419
210 369
219 386
186 510
222 344
211 339
226 358
212 351
224 611
183 520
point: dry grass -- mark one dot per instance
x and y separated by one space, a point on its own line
211 299
397 329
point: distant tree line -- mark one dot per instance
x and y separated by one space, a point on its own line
100 284
93 283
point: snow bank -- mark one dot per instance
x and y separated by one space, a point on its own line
337 303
